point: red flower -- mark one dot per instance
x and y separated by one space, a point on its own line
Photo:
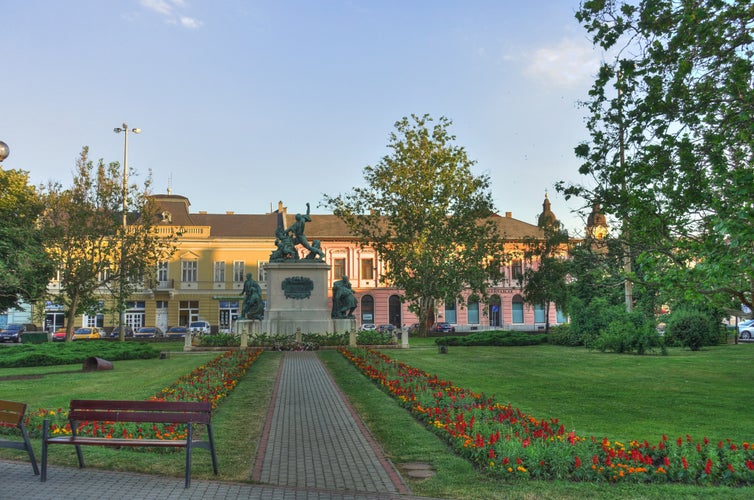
708 467
577 462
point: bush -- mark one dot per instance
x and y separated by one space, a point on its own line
565 335
373 337
693 329
630 332
69 353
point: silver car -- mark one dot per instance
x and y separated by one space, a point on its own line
746 329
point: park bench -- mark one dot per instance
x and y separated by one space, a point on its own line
165 412
12 415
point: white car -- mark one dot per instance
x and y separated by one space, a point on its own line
368 326
746 329
200 328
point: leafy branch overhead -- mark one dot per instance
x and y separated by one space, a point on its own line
671 147
429 217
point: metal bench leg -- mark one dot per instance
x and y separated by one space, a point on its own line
29 448
189 437
45 430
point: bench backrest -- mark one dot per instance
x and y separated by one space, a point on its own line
140 411
11 412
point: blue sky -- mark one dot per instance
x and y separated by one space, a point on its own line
245 103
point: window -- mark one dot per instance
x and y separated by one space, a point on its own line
367 269
338 269
518 310
561 316
450 311
238 271
539 313
517 270
162 272
189 271
367 309
188 311
262 267
473 310
219 271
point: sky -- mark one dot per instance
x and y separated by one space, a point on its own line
244 103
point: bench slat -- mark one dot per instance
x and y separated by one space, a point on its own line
179 406
138 416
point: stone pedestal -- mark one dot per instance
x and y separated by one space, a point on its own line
247 328
297 298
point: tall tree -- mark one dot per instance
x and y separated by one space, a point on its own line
670 152
547 283
25 268
427 215
96 257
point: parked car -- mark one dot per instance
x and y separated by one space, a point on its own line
88 333
12 332
386 328
746 329
59 334
367 326
129 332
443 328
176 332
413 329
200 328
148 332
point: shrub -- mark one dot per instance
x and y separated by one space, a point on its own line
373 337
692 329
565 335
68 353
630 332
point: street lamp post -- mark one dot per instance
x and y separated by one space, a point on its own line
4 151
121 298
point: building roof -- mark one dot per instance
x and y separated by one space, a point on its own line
175 211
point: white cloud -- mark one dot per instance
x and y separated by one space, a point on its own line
169 9
190 22
568 64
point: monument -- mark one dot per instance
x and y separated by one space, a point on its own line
297 287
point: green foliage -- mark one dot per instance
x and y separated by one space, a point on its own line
428 216
546 283
494 338
669 153
25 268
68 353
589 319
630 333
564 335
329 339
693 329
86 238
373 337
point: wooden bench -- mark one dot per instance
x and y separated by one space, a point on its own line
12 414
165 412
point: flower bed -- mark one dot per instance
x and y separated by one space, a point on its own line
210 382
507 443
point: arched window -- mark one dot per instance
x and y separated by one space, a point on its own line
472 308
496 311
394 310
518 310
367 309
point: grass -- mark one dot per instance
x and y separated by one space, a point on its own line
642 397
703 393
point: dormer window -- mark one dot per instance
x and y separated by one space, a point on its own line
166 217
